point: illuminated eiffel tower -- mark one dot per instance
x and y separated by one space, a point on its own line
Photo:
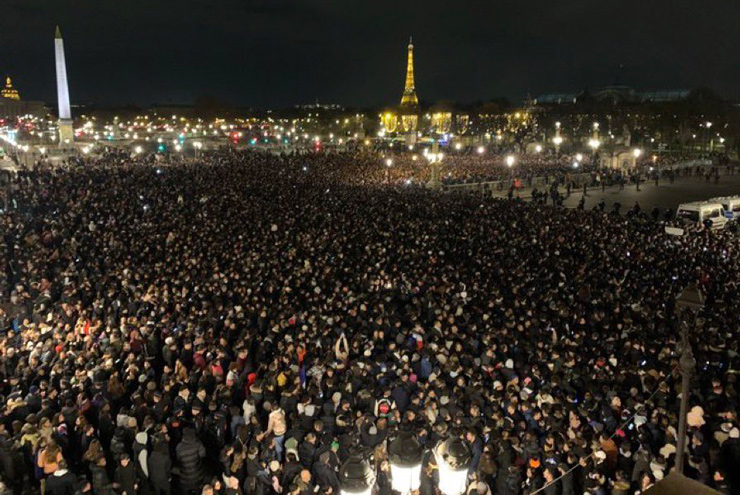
409 98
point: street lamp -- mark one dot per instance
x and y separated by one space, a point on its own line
481 150
510 160
691 299
388 162
404 455
557 140
579 157
637 152
453 458
594 144
356 477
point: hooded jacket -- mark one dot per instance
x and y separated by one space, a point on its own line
141 455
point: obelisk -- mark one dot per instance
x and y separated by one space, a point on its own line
66 133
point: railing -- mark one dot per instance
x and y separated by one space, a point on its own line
540 182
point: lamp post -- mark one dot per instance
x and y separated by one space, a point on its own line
690 299
356 477
434 161
558 140
453 458
404 455
708 126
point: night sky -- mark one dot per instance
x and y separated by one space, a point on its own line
276 53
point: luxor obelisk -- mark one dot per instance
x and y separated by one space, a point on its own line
66 133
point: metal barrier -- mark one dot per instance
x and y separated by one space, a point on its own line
540 182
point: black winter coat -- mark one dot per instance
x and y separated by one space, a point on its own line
325 476
61 485
190 453
126 479
100 481
160 465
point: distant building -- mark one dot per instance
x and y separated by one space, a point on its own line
12 107
9 91
614 95
320 106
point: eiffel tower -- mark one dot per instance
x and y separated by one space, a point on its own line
409 98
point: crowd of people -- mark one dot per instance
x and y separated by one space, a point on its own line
243 323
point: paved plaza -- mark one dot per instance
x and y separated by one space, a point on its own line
664 195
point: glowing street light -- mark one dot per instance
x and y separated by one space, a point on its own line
538 149
594 144
453 458
510 160
557 140
405 454
481 150
388 162
356 477
458 146
637 152
579 157
138 150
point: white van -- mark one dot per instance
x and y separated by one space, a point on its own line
731 204
699 211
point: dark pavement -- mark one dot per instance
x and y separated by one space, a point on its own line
665 195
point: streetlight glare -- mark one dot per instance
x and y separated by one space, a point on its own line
510 160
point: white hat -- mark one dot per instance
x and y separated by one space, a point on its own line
509 363
695 417
667 450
